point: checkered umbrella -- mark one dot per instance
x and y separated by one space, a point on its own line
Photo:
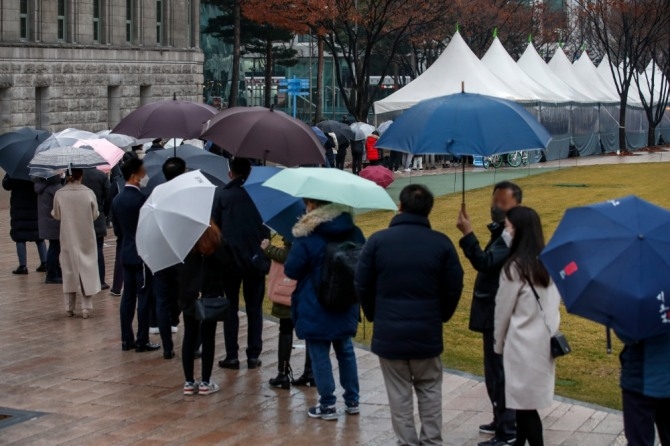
68 158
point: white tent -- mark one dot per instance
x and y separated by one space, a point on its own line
588 86
455 65
606 75
498 60
653 74
587 72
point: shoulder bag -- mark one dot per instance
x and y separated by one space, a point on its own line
559 345
280 287
211 307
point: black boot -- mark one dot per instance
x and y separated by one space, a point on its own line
285 376
307 377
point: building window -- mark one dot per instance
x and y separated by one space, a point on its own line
62 21
5 109
189 24
23 19
159 22
129 21
96 20
113 105
145 94
41 107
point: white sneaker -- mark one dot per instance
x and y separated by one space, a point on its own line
206 388
175 329
408 170
154 330
190 388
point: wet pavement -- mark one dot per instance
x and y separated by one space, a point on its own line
73 370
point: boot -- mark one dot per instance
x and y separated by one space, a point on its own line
285 376
307 377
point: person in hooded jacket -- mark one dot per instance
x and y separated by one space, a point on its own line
320 328
49 227
23 222
371 151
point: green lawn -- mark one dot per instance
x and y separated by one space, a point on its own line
588 374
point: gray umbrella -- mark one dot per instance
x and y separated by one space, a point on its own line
68 158
341 130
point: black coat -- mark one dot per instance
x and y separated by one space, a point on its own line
22 210
488 263
241 225
49 227
198 274
125 216
99 183
409 281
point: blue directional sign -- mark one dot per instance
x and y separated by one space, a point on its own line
294 87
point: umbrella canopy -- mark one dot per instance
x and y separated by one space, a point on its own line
379 175
280 211
465 124
342 131
334 185
384 126
68 158
17 148
610 262
214 167
361 130
173 218
166 119
319 134
117 139
111 153
264 134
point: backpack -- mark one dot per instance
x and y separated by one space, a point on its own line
336 292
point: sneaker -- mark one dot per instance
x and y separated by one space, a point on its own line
21 270
42 268
325 413
352 409
85 314
190 388
497 442
104 287
115 292
154 330
487 428
408 170
205 388
175 329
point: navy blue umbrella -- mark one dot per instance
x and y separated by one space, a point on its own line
17 148
214 167
279 210
319 134
611 264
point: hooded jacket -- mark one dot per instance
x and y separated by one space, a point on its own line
305 264
22 209
49 227
371 151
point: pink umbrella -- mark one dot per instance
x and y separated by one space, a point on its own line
105 149
379 175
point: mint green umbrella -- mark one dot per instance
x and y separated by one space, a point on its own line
334 185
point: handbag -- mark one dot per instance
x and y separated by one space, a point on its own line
211 307
558 344
280 287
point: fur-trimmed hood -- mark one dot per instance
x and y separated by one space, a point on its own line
324 214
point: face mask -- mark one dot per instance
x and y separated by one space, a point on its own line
498 215
507 238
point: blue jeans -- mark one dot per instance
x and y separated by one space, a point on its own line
22 253
135 294
319 351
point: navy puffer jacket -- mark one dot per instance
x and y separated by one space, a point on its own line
22 210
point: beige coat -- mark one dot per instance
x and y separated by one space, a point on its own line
522 337
76 208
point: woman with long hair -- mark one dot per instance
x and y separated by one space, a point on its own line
199 275
526 317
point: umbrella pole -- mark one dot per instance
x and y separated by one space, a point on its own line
609 340
463 179
174 149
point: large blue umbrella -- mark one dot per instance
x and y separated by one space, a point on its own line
279 210
611 264
17 148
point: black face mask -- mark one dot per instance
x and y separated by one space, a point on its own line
498 215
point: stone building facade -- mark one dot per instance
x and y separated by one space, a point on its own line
88 63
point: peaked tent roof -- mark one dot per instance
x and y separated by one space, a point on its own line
659 81
539 71
587 71
455 65
588 86
498 60
608 78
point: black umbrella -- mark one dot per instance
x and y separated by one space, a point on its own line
342 131
266 135
214 167
17 148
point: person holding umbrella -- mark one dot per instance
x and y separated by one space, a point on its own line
526 318
99 183
76 207
49 227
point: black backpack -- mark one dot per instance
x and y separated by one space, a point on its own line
336 292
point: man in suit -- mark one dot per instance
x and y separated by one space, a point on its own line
126 213
99 183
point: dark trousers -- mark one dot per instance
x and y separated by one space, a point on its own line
640 413
193 329
340 157
166 293
53 263
395 160
136 294
101 259
529 428
253 290
494 374
356 163
117 280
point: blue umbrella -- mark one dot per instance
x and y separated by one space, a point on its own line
17 148
279 210
319 134
611 264
465 124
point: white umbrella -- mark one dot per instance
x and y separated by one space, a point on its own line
117 139
384 126
173 218
361 130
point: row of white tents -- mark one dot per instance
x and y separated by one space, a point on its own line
577 102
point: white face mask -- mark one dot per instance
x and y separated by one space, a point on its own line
507 238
